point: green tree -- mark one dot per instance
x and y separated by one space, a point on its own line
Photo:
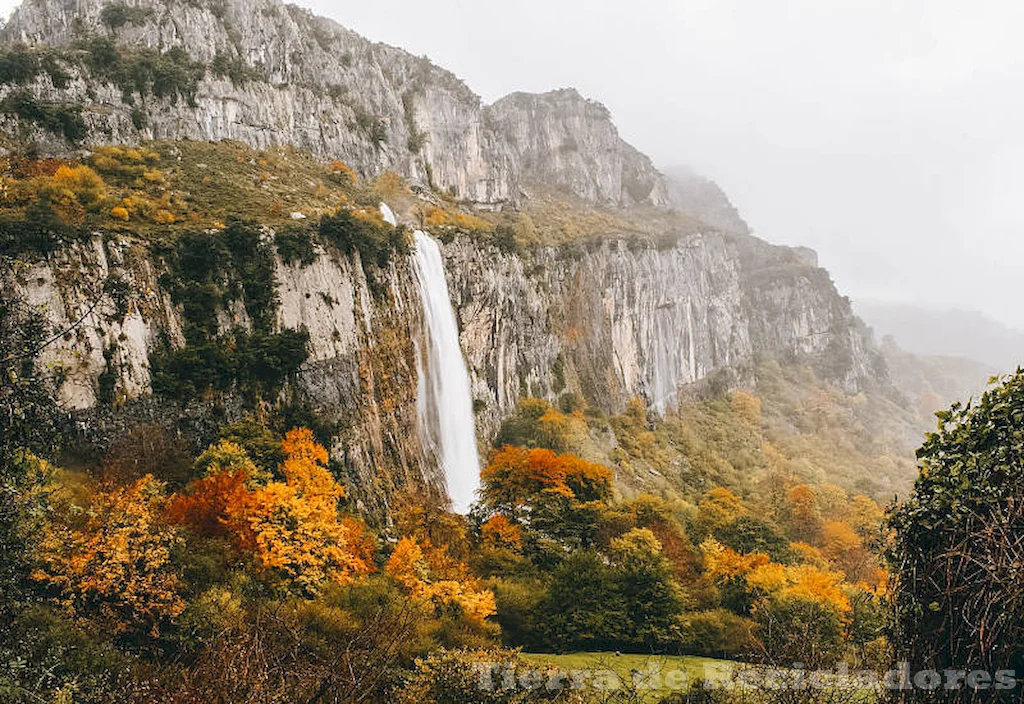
748 534
653 601
28 429
584 609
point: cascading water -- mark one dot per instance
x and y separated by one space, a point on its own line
444 400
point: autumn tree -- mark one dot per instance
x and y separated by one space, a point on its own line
431 575
657 515
718 508
747 406
845 549
803 514
118 565
211 501
535 423
428 521
293 528
555 498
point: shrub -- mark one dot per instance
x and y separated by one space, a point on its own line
372 238
958 551
535 423
205 270
65 120
39 233
19 66
145 71
295 245
234 68
454 676
795 629
717 633
256 364
118 15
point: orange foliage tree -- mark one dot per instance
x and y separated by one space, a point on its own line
803 515
292 527
515 478
557 499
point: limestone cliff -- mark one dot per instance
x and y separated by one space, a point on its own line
610 319
566 141
607 322
270 73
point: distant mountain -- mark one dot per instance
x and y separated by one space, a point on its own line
931 383
949 333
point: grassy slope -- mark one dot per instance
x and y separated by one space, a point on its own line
625 665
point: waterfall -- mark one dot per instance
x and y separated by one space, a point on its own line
444 398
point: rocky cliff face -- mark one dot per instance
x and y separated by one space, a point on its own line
616 321
566 141
301 80
608 322
361 373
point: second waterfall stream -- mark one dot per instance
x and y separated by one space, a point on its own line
444 398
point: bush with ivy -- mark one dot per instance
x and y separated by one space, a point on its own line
958 551
375 241
255 364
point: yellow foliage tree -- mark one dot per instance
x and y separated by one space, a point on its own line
803 513
865 516
718 508
431 576
499 532
818 585
118 565
293 527
762 576
722 564
747 406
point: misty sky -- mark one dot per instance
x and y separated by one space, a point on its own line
887 134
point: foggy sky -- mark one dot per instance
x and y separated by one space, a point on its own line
886 134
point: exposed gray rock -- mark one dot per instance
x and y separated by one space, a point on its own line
618 320
609 322
315 85
566 141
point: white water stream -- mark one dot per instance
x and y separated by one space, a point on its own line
444 400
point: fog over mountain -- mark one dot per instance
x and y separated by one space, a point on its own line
885 136
927 331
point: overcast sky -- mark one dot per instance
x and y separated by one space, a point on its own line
886 134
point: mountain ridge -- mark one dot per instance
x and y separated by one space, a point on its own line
294 78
